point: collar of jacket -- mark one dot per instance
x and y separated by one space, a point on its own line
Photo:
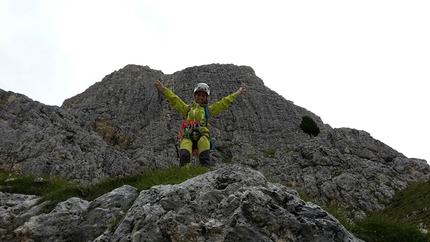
200 105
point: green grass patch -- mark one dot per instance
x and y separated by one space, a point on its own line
378 227
398 222
412 204
31 184
269 153
228 160
53 190
269 177
408 209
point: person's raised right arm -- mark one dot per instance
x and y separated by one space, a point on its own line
174 100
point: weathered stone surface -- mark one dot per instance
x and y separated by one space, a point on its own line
128 100
36 139
123 125
230 204
15 209
346 167
77 219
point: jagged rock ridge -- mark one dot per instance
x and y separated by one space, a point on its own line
229 204
123 125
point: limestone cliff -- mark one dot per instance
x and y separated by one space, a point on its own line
122 124
229 204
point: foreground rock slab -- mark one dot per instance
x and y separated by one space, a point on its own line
230 204
77 219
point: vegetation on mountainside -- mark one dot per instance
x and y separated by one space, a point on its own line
309 126
409 209
379 227
55 189
406 217
411 205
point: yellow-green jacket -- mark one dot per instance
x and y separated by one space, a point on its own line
197 112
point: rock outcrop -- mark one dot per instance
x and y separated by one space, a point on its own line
122 125
229 204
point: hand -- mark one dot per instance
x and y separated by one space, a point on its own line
241 90
158 85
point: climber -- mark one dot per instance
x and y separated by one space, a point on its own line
195 133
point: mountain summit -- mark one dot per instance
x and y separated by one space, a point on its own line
123 125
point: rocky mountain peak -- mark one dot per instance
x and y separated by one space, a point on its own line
123 124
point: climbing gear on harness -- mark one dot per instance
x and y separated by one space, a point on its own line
202 87
194 133
193 130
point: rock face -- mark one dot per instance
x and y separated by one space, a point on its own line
15 209
346 167
123 125
74 219
36 138
229 204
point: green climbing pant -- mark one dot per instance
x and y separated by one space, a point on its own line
186 148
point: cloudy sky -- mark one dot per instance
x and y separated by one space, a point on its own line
358 64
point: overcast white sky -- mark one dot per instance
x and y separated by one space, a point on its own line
358 64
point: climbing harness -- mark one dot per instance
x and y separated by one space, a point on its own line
192 130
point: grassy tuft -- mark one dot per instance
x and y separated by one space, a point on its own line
408 211
269 153
53 190
398 222
31 184
412 204
228 160
378 227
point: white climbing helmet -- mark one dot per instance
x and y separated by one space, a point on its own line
202 87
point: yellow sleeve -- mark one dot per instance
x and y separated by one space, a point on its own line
176 101
223 104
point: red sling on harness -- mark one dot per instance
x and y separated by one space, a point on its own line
192 126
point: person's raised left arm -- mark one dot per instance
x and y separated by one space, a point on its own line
224 103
